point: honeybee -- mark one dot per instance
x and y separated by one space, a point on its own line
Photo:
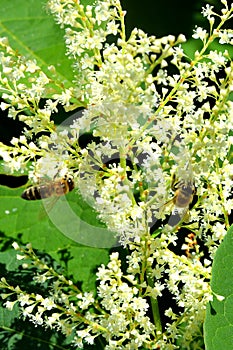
54 188
184 192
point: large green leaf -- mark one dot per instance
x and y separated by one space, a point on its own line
219 317
33 32
69 216
69 224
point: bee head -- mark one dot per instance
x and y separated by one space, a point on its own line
70 182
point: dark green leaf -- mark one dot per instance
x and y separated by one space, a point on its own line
33 32
70 224
219 317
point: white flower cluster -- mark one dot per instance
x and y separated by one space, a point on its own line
147 125
64 306
127 312
121 310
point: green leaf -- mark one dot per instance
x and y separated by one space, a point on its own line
33 32
70 224
8 258
218 325
69 215
8 316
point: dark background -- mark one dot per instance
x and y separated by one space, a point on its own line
161 17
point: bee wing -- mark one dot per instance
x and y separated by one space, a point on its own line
47 206
165 205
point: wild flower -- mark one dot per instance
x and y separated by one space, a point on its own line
147 124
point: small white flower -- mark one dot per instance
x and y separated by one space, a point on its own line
15 245
31 66
207 11
10 304
200 33
48 303
20 257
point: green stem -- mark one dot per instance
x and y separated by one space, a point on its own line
220 192
122 20
155 308
146 274
156 314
